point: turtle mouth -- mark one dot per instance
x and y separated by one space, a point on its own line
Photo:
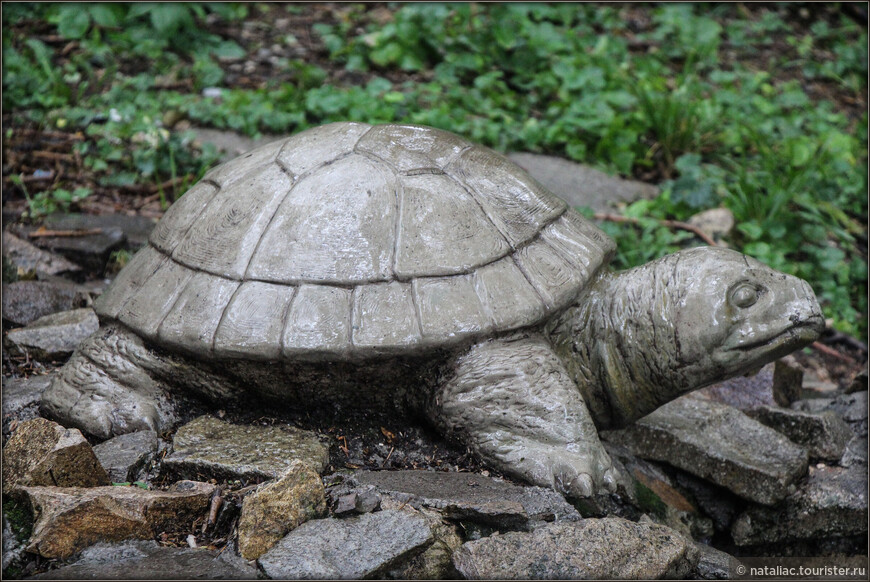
789 338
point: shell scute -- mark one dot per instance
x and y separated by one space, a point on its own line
412 148
317 146
443 230
252 323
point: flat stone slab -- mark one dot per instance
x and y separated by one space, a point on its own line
58 334
470 496
123 456
91 251
718 443
146 560
27 301
350 548
609 548
580 185
208 447
136 228
823 434
69 519
32 259
715 564
832 502
42 452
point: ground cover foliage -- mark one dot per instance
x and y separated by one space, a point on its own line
760 109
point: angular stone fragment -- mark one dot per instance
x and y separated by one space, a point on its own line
57 334
209 447
26 257
833 502
714 564
472 497
610 548
350 548
69 519
91 249
124 455
435 562
278 507
823 434
136 228
145 560
21 398
27 301
743 392
787 381
41 452
718 443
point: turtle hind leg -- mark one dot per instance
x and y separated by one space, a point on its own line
513 403
105 390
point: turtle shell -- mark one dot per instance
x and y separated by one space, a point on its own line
351 239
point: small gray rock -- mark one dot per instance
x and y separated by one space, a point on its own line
145 560
832 503
850 407
743 392
27 301
91 251
718 443
58 334
823 434
580 185
714 564
351 548
123 456
610 548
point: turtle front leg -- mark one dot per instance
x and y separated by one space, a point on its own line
105 390
513 403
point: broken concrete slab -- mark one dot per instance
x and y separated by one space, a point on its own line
55 335
125 455
91 251
823 434
278 507
210 448
718 443
350 548
580 185
69 519
42 452
469 496
609 548
832 503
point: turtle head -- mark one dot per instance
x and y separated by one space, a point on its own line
640 338
733 314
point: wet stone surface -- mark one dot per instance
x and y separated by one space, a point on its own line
718 443
21 397
823 434
27 301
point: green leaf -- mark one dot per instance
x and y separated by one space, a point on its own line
167 17
74 21
229 49
106 15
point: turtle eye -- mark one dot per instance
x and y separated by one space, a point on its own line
744 295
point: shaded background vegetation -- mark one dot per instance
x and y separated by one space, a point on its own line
757 108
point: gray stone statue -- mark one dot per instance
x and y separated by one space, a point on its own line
402 266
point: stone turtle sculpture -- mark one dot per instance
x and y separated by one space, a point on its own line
404 266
